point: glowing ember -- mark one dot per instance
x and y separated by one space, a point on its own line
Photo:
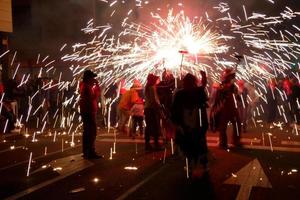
95 180
130 168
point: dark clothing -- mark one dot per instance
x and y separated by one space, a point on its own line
10 89
89 134
152 116
9 117
165 93
190 117
137 121
272 100
294 100
222 127
151 98
152 119
242 104
89 96
225 110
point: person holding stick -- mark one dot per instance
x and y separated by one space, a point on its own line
190 118
225 109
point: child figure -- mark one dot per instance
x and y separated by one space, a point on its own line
137 117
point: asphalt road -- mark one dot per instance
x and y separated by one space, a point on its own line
267 168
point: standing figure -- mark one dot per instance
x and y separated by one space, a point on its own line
272 102
295 100
190 118
165 91
152 112
242 104
225 109
213 93
128 99
137 116
137 110
89 97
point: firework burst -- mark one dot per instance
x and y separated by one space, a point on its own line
173 43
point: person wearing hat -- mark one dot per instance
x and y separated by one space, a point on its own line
225 109
89 97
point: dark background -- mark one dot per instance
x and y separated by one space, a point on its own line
44 26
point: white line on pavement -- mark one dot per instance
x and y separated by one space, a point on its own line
287 142
38 157
6 150
285 149
215 144
71 165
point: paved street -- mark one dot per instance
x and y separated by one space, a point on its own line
72 71
57 170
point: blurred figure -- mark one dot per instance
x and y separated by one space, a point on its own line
272 102
287 91
295 99
292 90
242 104
7 116
190 117
89 97
137 118
137 110
225 110
165 91
14 94
152 112
214 88
128 99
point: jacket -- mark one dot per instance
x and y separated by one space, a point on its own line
89 96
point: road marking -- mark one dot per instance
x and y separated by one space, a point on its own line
250 140
285 149
123 140
140 184
38 157
17 133
67 166
251 175
6 150
107 134
213 144
209 138
288 142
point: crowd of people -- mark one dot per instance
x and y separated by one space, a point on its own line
182 109
32 103
185 112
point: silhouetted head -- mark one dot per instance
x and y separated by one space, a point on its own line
88 74
152 80
228 75
189 81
